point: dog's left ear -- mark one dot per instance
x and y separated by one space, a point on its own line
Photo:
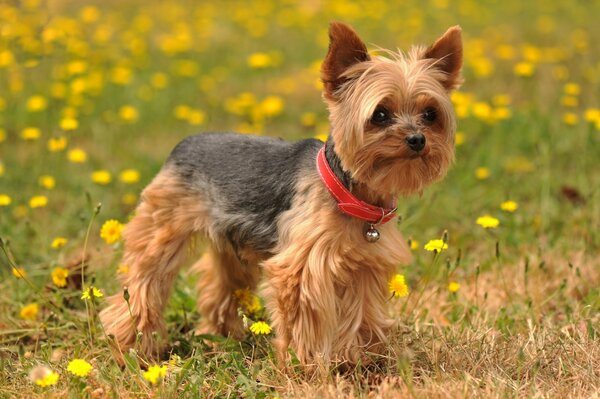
345 50
448 54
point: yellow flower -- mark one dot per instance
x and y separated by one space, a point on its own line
2 135
129 176
524 69
259 60
247 300
570 118
58 242
482 173
272 105
487 222
436 246
77 155
30 312
48 182
196 117
414 245
572 89
111 231
459 139
155 373
129 199
38 201
56 144
122 269
181 112
90 292
19 272
43 376
260 327
36 103
159 80
397 286
69 124
590 115
509 206
1 169
453 287
102 177
309 119
5 200
59 276
128 113
30 133
79 367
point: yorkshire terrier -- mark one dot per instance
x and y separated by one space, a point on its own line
312 216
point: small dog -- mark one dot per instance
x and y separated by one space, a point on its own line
311 216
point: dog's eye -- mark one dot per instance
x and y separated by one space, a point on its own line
381 116
429 115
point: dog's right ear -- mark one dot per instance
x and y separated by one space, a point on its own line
345 50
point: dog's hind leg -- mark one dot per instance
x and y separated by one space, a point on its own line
222 273
156 244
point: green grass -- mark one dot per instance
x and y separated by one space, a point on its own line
526 319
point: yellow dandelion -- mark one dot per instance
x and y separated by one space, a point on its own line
129 176
59 276
308 119
259 60
570 118
111 231
91 292
247 300
129 199
43 376
77 155
122 269
159 80
30 311
68 124
102 177
46 181
482 173
56 144
414 244
19 272
524 69
155 373
572 89
459 139
36 103
30 133
196 117
5 200
182 111
272 106
79 367
58 242
436 246
509 206
38 201
128 113
2 135
397 286
260 328
453 287
487 222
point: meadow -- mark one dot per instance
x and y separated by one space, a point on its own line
93 96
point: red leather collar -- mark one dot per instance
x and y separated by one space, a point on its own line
347 203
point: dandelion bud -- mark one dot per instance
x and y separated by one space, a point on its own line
445 236
126 294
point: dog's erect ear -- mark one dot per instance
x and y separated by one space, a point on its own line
448 54
345 50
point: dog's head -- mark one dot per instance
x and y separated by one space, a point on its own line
392 120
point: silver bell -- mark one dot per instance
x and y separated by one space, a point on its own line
372 235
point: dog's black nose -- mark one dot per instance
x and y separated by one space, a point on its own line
416 141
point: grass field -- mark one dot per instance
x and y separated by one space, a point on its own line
93 95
